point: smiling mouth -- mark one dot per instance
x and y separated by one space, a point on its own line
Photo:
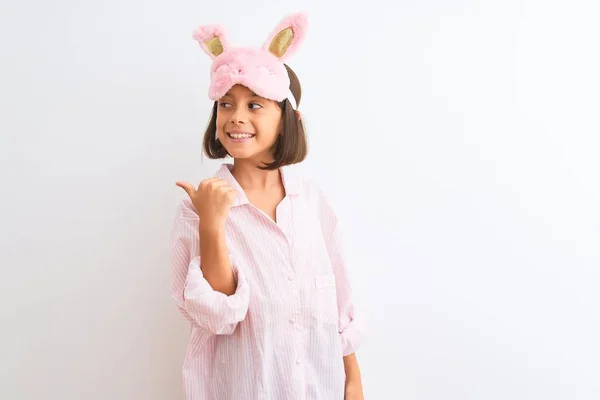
240 135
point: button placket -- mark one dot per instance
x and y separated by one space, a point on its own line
295 284
295 309
295 287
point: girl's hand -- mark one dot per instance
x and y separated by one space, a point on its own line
212 200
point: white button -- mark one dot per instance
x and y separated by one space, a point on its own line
291 321
298 362
290 278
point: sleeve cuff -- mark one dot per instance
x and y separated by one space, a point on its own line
352 337
212 310
195 283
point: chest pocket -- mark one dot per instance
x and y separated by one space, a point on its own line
326 298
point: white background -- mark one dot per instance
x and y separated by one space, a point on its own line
459 140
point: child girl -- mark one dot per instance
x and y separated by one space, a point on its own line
257 266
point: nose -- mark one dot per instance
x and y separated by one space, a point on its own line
239 115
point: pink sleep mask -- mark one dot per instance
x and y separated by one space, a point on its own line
261 69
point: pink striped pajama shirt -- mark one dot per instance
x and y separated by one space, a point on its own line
283 334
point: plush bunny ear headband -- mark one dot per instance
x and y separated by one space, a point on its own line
261 69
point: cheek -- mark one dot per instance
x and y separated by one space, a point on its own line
221 120
268 128
272 124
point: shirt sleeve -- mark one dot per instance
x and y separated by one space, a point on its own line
202 306
351 329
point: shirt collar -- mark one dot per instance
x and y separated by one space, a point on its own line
291 182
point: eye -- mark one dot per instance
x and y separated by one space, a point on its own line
224 104
254 106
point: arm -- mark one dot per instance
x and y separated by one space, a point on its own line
216 265
205 307
353 380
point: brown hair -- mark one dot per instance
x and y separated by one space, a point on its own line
290 148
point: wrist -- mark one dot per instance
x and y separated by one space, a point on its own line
210 228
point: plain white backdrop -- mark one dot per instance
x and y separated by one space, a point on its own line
458 139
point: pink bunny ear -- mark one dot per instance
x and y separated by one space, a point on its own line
212 39
287 37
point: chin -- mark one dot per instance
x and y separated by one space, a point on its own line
241 154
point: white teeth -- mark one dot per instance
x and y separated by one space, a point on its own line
240 135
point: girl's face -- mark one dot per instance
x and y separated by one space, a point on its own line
247 124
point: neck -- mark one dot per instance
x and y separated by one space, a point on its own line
252 178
